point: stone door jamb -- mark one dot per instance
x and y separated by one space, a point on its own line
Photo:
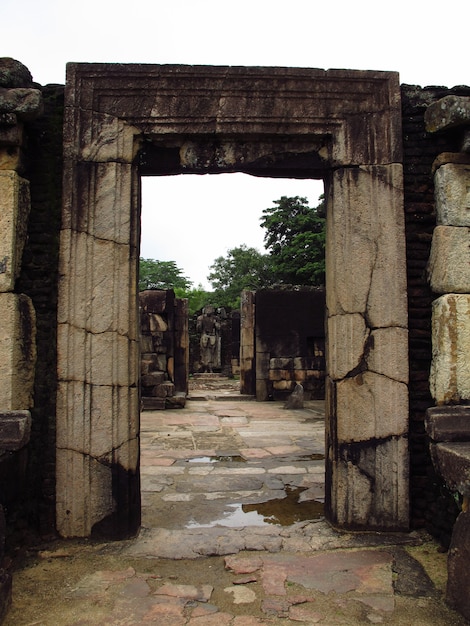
351 122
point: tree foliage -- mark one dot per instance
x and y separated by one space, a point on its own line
242 268
155 274
295 239
197 298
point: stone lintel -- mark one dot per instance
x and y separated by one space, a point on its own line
119 100
448 112
15 429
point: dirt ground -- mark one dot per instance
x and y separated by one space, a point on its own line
47 577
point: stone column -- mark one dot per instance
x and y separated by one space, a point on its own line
367 350
181 345
98 353
247 343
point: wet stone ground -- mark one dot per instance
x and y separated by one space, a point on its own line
233 534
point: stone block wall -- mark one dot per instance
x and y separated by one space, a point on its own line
164 349
432 505
288 345
20 102
31 167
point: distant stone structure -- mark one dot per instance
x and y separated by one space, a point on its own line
283 343
208 326
164 349
70 162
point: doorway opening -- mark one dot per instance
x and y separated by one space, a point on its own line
223 460
127 121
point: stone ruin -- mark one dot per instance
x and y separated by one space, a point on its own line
164 350
284 343
393 157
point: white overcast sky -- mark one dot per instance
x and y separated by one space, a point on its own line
424 40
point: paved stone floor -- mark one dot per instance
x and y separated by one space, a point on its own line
233 534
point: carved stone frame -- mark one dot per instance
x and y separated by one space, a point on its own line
347 126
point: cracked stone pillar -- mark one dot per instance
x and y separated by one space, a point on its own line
98 356
367 395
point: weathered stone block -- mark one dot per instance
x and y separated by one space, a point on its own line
300 375
284 385
17 352
450 367
347 337
157 323
369 487
458 581
164 390
365 229
15 429
162 362
154 378
451 190
370 407
146 344
280 363
448 423
449 261
452 462
102 310
14 211
387 353
447 112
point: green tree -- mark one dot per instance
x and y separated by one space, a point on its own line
197 298
242 268
155 274
295 239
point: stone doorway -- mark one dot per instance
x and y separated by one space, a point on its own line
123 121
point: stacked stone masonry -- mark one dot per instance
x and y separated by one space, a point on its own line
448 423
20 102
449 262
158 344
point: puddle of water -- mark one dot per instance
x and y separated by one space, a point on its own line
281 512
218 459
236 518
288 510
312 457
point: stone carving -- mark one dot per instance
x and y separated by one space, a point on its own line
208 324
